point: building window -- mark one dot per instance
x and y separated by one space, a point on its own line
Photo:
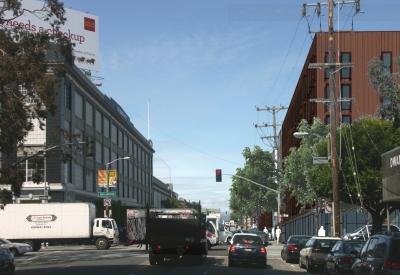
328 120
29 168
346 120
327 96
387 61
67 90
345 59
327 61
346 94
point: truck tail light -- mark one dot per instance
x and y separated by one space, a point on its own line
391 265
158 246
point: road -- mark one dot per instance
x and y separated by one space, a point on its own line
123 260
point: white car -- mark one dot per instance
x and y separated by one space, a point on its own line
15 248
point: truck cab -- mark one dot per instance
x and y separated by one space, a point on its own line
105 233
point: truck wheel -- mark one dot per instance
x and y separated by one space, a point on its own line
101 243
14 251
160 259
36 246
152 259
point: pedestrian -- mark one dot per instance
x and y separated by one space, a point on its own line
273 233
321 231
265 230
278 233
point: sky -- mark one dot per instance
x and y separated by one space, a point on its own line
203 67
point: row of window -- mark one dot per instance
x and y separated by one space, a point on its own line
85 111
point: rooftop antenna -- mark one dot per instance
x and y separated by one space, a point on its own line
148 119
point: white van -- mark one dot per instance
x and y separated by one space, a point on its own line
212 235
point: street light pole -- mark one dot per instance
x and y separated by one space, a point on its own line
107 176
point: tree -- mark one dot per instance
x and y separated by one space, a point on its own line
300 161
360 169
386 84
248 199
172 203
25 77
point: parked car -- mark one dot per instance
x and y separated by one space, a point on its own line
314 252
380 255
291 248
7 263
247 248
224 234
339 261
15 248
361 232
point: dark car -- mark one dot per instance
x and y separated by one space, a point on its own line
315 251
380 255
247 248
339 261
261 234
7 264
291 248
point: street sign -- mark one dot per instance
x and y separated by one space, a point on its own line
43 197
328 207
107 202
107 194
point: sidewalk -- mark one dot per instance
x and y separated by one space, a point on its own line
71 247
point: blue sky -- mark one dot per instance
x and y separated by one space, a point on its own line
204 66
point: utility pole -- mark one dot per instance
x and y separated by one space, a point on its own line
274 110
332 66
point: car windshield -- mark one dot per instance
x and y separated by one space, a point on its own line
4 241
349 247
299 240
247 240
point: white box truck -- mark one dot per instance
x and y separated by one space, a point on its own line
57 223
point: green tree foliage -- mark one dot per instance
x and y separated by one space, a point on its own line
360 170
300 162
386 84
250 199
172 203
23 62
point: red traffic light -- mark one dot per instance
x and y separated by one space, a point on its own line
218 175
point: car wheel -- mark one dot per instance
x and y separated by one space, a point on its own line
10 270
152 259
287 259
309 266
14 251
300 264
263 265
208 245
230 263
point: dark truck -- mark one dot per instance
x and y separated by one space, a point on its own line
170 233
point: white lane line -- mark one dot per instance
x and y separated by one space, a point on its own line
64 266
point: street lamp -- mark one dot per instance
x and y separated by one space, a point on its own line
107 176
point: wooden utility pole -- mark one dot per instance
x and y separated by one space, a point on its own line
334 158
332 67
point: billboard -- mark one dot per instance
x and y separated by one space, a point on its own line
81 28
102 178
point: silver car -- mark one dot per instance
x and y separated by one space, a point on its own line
315 251
15 248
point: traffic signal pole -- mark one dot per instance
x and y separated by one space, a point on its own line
263 186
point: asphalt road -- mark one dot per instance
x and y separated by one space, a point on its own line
123 260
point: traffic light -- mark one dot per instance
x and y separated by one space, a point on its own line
90 147
218 175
